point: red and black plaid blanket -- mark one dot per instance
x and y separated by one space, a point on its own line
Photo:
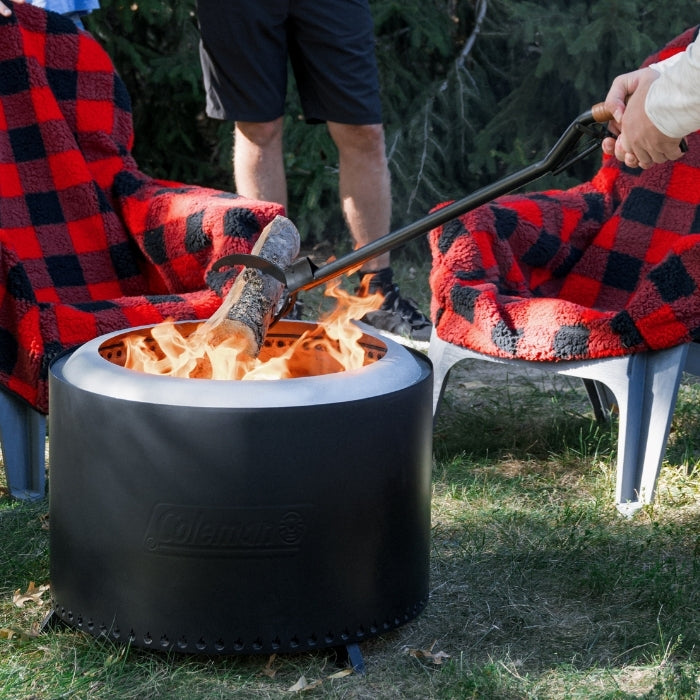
88 243
608 268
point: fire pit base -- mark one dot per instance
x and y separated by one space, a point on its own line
250 518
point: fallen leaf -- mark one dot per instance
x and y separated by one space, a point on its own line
31 595
342 674
301 686
268 670
436 657
15 632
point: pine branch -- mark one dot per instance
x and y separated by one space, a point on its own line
481 8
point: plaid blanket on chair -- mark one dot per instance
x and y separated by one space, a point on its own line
88 243
608 268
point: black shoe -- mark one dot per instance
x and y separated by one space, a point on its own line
397 315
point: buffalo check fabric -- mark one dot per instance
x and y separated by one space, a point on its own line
607 268
88 243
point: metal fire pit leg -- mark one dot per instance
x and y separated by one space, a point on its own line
356 660
51 622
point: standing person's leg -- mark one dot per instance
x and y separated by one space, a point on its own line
365 195
258 161
243 52
364 184
332 53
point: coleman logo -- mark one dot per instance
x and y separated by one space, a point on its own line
199 530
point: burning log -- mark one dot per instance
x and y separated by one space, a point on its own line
249 308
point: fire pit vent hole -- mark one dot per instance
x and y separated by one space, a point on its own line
257 645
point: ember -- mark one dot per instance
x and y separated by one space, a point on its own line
179 350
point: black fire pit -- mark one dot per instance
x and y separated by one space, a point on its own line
228 517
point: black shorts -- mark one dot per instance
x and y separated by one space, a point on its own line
246 43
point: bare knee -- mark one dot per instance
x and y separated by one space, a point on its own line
360 139
260 134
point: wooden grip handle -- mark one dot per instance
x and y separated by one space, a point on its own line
601 113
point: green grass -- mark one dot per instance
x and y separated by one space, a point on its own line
539 588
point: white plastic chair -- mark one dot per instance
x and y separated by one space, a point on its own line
23 442
644 386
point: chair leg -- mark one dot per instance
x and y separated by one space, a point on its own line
444 356
442 364
664 371
645 386
23 439
692 360
599 398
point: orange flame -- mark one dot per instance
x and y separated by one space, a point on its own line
180 355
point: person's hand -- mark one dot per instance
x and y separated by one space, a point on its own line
639 143
615 102
5 10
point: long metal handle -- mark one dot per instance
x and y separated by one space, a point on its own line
304 275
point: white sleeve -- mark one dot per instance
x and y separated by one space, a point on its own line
673 100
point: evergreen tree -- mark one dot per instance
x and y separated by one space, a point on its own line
508 95
472 90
